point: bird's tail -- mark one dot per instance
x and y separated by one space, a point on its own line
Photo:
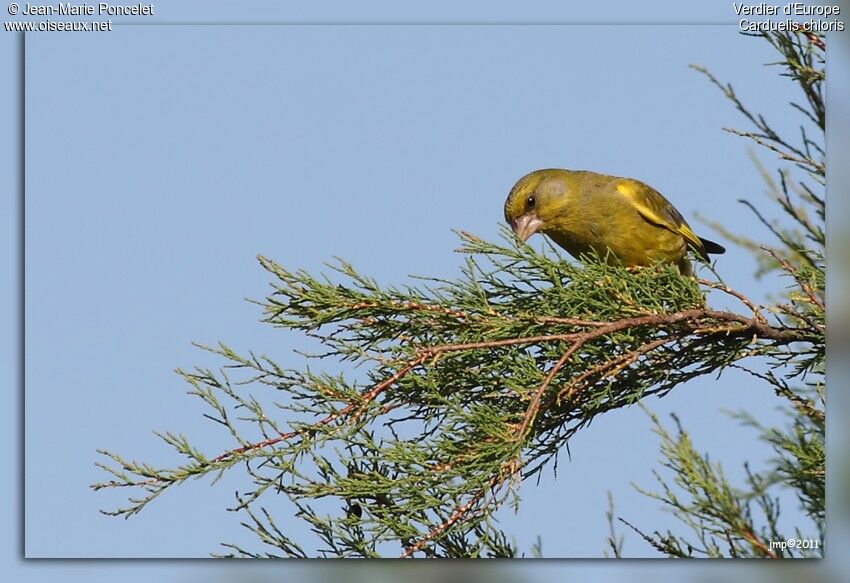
712 247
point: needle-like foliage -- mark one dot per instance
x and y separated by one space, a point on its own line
455 391
743 521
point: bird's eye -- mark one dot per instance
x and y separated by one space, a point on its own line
530 201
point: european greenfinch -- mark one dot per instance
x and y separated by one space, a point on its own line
619 218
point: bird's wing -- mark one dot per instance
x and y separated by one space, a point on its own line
656 209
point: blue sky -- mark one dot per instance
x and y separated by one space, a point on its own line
161 160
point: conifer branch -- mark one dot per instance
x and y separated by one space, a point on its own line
697 491
455 391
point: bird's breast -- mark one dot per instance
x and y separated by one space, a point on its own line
620 231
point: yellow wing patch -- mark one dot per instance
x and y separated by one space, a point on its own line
642 196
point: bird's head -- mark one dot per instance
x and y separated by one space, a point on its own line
533 199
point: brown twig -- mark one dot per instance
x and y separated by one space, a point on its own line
534 406
735 294
692 320
746 325
743 325
810 293
816 40
459 512
364 401
617 364
803 405
751 538
493 484
370 395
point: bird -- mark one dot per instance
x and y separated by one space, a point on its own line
622 219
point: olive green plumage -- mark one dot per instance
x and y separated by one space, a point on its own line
588 212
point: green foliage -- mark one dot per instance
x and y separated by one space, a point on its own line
720 516
800 236
455 391
467 387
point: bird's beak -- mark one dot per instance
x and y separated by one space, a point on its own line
526 225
